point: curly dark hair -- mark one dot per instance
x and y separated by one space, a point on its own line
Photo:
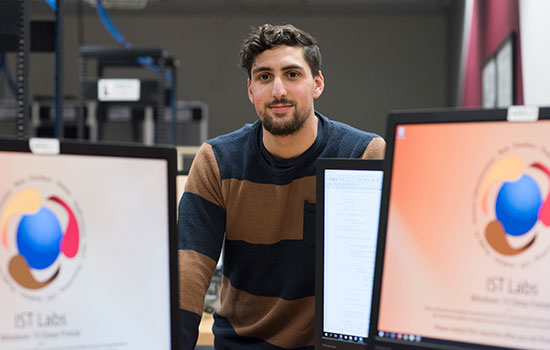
268 36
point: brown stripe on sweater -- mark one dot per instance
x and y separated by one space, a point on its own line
375 150
195 272
204 176
253 217
269 318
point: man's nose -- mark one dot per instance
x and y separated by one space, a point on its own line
279 89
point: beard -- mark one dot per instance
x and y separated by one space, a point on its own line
280 126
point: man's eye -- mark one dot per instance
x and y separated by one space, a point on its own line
293 74
263 76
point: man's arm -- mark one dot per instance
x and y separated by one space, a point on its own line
376 149
201 228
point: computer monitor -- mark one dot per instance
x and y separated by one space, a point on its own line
87 246
464 231
348 205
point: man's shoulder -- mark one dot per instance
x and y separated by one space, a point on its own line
235 138
343 129
233 150
346 141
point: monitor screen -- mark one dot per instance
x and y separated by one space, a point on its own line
349 200
87 250
465 231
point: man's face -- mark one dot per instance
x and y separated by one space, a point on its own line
282 89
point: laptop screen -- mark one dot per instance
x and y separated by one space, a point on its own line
86 247
467 236
350 204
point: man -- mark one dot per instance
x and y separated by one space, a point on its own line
256 186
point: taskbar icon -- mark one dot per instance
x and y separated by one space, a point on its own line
345 337
400 336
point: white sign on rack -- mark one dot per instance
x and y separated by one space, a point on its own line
118 90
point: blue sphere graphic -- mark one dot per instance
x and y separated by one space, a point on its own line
517 205
38 238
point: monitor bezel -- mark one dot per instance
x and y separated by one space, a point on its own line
124 150
322 165
423 116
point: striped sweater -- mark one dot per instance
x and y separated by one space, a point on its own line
264 210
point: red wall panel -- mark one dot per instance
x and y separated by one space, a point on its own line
492 22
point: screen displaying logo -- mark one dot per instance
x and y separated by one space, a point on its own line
36 231
513 198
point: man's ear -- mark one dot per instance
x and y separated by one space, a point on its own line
319 85
250 94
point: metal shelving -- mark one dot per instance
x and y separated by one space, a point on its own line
153 95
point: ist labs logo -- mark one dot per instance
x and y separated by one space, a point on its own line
35 232
516 206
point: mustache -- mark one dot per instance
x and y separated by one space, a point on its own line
280 101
